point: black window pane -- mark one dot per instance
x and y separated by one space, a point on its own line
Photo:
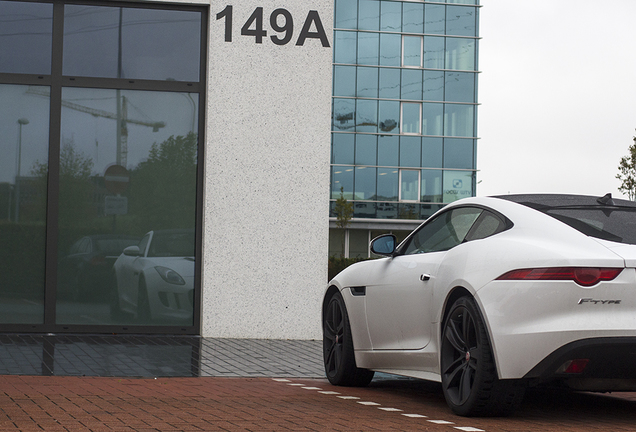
25 37
24 121
155 44
115 188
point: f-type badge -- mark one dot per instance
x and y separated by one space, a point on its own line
595 301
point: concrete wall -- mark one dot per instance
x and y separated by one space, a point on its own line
267 175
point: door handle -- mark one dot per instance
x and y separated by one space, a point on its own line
424 277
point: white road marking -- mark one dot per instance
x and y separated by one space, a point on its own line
329 392
368 403
469 429
440 422
280 380
312 388
389 409
347 397
414 415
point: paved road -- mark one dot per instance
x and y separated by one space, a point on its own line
30 403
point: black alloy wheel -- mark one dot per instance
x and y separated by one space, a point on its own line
469 376
339 359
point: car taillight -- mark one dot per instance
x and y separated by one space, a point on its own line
584 276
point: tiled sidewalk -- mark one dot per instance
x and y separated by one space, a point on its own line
157 356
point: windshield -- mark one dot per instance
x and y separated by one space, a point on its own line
607 223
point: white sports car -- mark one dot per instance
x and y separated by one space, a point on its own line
155 280
490 296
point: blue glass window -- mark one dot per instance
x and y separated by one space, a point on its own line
369 15
388 150
344 47
433 85
458 120
432 115
433 52
411 118
390 49
431 190
131 43
368 48
389 117
366 149
367 85
389 83
432 151
460 54
460 20
344 81
388 184
457 185
346 14
412 17
342 148
343 114
366 115
411 84
342 177
410 149
365 178
460 87
391 16
26 37
434 19
409 185
412 51
458 153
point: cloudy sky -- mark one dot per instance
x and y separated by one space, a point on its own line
557 93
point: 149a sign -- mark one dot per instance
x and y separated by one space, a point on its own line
281 23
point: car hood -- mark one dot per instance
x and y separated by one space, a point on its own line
625 251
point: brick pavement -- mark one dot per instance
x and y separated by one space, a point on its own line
36 403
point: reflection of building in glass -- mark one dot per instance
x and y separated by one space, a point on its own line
404 114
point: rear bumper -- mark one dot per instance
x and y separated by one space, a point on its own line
611 366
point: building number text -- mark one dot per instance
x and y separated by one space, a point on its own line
281 22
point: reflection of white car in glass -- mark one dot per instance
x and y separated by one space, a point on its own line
490 296
154 281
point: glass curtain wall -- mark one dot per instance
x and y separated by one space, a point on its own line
100 166
404 105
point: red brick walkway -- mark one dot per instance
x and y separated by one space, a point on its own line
29 403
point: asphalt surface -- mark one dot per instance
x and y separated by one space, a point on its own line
159 383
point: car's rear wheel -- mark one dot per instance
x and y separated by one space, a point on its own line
340 362
469 377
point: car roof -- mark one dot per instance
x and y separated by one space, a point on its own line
541 201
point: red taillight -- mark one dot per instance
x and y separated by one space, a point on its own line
584 276
573 366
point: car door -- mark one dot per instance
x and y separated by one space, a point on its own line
128 269
399 302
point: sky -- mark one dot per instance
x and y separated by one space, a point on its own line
557 90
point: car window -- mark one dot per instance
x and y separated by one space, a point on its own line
444 232
143 244
488 224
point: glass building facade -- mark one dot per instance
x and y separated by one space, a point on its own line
99 113
404 113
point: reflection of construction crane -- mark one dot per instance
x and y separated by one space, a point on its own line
121 117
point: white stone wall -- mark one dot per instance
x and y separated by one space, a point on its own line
266 176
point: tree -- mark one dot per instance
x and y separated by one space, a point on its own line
627 172
344 213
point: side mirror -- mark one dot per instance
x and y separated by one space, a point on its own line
132 251
384 245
